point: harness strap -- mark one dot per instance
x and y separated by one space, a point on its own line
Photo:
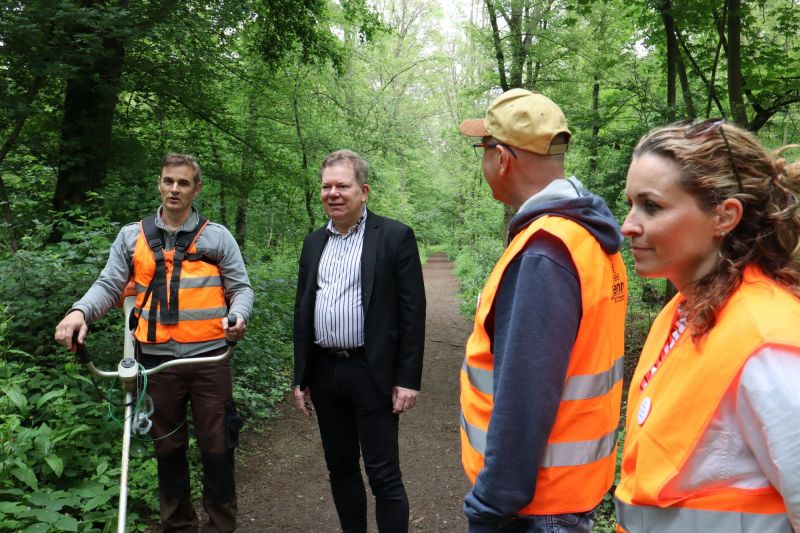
158 285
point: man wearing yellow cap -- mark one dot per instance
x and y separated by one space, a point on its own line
542 379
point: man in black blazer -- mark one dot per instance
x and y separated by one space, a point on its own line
359 333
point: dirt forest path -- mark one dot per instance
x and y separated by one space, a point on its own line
282 482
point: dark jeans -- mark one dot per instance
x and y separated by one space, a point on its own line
209 389
561 523
354 415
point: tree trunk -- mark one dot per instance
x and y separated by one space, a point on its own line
533 73
309 201
246 179
498 45
241 216
735 82
221 178
89 105
712 93
686 91
308 193
11 140
594 147
8 216
712 84
21 117
223 206
516 37
240 229
665 9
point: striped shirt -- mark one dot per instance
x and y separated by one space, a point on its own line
339 313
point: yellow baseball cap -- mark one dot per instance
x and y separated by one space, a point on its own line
522 119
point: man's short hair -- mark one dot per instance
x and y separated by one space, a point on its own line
183 160
359 164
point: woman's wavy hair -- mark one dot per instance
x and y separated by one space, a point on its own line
718 161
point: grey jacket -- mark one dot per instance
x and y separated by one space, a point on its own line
216 242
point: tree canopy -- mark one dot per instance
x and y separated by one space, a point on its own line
93 94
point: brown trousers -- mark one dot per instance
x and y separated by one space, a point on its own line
208 387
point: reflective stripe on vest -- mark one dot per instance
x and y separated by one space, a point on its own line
578 465
201 296
579 387
587 386
191 283
647 519
556 454
192 314
682 399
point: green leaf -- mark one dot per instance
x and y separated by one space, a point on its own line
26 475
43 515
103 516
102 467
97 501
58 504
49 396
40 499
55 463
37 528
11 508
13 525
95 489
62 434
14 393
82 378
42 439
66 523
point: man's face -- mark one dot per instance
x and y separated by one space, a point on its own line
342 197
177 188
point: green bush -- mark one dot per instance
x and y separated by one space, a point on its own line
59 449
42 281
472 267
263 360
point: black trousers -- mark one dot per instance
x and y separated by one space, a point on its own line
355 419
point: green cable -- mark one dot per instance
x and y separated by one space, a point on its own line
140 394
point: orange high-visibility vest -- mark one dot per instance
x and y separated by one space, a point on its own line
677 405
578 466
201 296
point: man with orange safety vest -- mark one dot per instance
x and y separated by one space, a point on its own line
542 379
189 276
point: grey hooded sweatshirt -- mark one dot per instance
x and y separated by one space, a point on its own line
532 327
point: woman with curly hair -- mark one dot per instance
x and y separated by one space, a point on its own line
713 425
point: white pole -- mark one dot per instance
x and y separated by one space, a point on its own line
126 446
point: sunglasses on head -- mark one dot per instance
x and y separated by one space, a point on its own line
712 125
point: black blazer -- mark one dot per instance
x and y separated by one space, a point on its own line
393 297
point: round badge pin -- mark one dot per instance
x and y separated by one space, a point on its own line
644 410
